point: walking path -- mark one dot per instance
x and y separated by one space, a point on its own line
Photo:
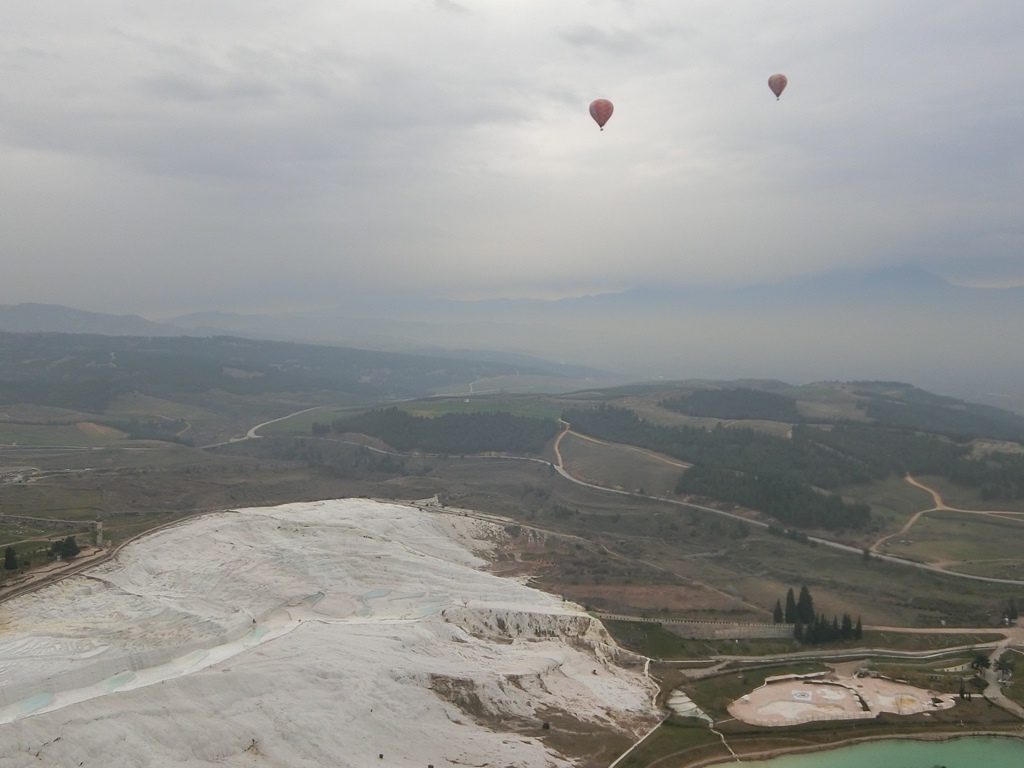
938 505
994 691
660 457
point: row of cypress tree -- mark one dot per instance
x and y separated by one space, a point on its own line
811 627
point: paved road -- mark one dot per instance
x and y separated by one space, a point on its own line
823 542
994 691
252 433
560 468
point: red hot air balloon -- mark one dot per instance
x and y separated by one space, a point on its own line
601 110
778 84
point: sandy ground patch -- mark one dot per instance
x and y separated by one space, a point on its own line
789 702
99 430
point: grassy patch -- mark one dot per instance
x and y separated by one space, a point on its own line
42 435
654 641
35 553
962 497
958 537
684 740
619 466
907 641
636 554
136 404
50 501
535 407
26 530
893 500
302 423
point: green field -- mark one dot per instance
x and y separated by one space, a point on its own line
302 423
649 409
968 498
57 501
524 405
967 541
684 741
617 466
82 434
893 500
916 641
657 642
540 407
37 552
143 406
1015 689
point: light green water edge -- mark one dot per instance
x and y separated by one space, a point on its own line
968 752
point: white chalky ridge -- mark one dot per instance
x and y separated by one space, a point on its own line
307 634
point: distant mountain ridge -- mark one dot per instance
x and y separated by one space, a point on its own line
899 323
337 326
88 372
53 318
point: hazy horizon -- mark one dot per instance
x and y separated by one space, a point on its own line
250 158
901 325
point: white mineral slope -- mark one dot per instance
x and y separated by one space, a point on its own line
313 634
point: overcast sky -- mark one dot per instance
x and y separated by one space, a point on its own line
160 157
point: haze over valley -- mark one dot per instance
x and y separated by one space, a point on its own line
903 325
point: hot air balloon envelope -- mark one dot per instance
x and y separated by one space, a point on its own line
601 110
778 84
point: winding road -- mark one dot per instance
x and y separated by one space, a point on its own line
559 466
938 505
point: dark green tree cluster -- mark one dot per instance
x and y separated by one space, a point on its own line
762 471
798 611
811 627
91 396
759 471
881 451
915 409
66 549
821 630
1011 613
998 475
848 452
784 498
10 559
739 449
338 459
739 403
453 433
884 450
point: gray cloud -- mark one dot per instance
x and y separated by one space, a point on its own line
450 7
605 42
169 158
